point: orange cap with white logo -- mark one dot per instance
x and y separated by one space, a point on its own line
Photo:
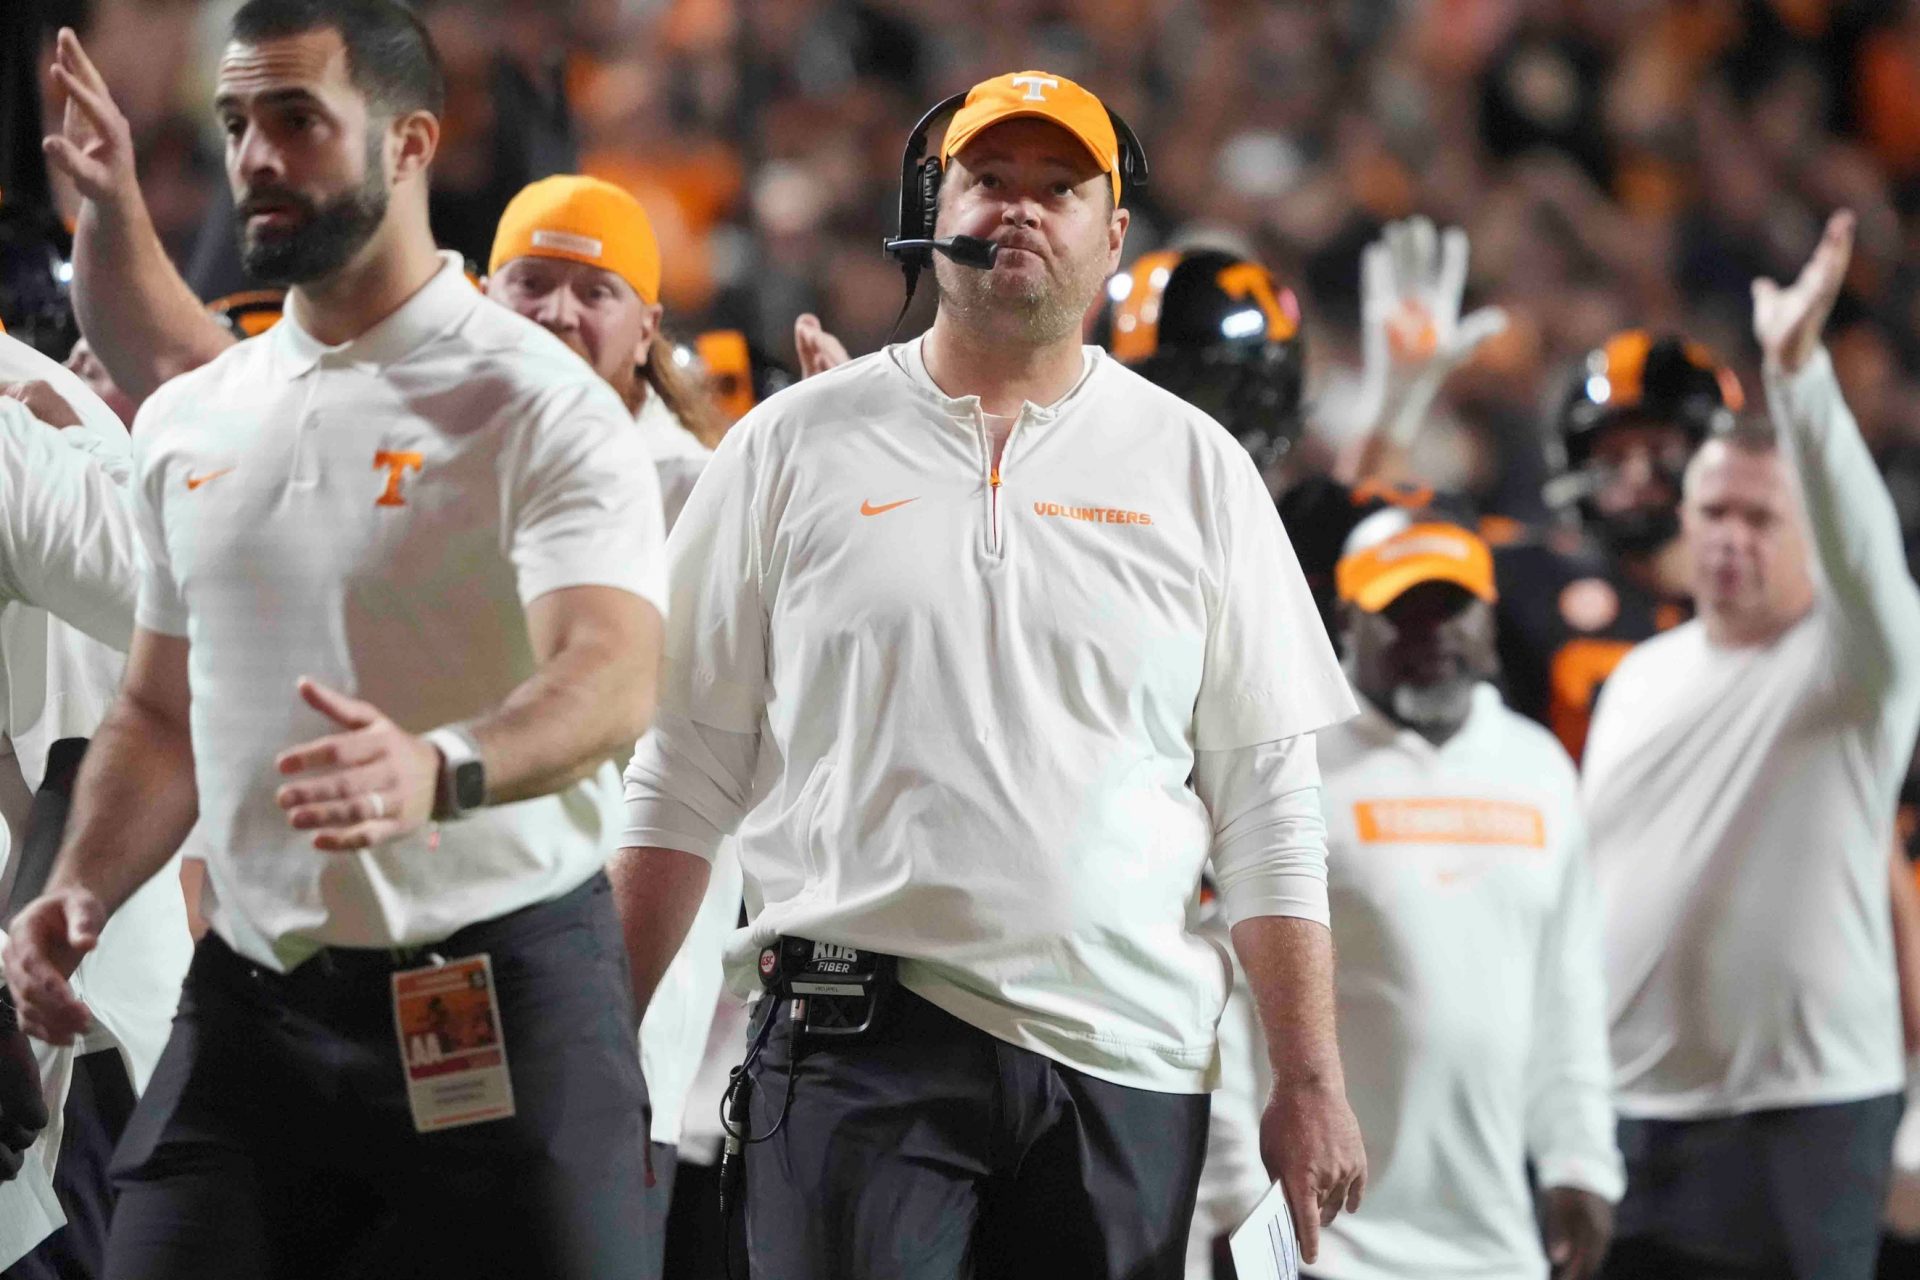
580 219
1044 96
1374 576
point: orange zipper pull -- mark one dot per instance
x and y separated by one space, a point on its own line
994 479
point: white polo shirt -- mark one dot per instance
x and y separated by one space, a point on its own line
378 515
1471 1005
969 711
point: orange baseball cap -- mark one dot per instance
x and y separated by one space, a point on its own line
580 219
1047 97
1374 576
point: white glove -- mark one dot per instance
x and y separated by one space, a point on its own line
1413 336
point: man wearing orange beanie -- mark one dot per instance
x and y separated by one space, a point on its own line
578 257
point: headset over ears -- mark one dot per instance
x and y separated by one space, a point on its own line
920 176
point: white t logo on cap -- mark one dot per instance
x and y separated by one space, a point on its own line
1034 85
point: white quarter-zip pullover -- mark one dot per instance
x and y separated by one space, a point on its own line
952 708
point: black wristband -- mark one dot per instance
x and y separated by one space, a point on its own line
9 1016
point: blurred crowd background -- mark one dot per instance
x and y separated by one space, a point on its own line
1616 162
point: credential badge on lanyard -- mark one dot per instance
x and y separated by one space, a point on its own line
451 1044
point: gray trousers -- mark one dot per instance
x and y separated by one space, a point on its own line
933 1151
275 1138
1791 1194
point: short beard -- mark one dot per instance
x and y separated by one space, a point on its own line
1036 313
328 238
1442 707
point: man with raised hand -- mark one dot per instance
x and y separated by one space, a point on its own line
1740 786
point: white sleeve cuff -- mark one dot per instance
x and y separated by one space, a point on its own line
1270 837
1602 1176
687 786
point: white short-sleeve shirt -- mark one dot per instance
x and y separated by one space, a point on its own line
378 515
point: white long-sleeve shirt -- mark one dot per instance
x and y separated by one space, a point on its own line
67 557
673 1034
952 709
678 456
1741 802
1471 1009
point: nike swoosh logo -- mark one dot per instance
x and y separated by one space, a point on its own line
194 481
868 509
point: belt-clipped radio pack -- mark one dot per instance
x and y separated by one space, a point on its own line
837 990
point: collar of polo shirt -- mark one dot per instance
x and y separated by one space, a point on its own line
442 301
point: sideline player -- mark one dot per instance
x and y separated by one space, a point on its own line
1218 331
1634 412
1573 599
902 667
437 681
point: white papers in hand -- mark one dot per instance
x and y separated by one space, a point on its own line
1264 1246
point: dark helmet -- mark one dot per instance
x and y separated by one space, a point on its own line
35 275
250 313
1217 331
1636 378
738 374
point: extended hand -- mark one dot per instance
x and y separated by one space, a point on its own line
369 785
43 402
1310 1143
819 350
95 144
1578 1226
1412 280
45 944
1788 321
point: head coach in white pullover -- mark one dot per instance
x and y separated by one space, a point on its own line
1740 787
399 607
952 627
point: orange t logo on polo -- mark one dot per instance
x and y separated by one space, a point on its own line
397 463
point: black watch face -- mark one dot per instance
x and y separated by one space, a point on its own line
469 785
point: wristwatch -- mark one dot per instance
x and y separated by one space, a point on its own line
463 776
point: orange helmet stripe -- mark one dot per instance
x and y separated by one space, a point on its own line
1136 320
